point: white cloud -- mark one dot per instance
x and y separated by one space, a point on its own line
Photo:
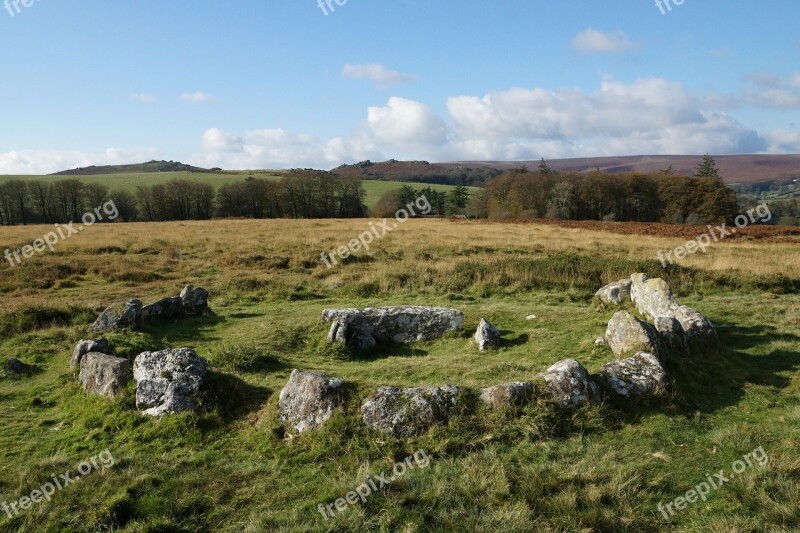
764 89
41 162
783 142
592 41
196 97
407 126
648 116
216 140
144 98
382 76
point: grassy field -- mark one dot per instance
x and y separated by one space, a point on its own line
231 467
129 182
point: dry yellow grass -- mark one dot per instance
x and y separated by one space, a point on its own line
230 251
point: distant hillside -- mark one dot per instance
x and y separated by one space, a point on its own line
140 168
734 168
421 172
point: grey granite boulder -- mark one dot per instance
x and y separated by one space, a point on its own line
507 395
85 346
103 375
569 384
168 381
309 399
119 317
652 297
701 334
164 309
194 299
410 324
627 336
616 293
402 324
351 329
487 336
405 413
673 338
639 376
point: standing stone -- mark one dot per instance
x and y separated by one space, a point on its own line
119 317
487 336
168 381
309 399
639 376
627 335
507 395
569 384
85 346
103 375
405 413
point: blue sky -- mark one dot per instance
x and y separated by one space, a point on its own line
278 83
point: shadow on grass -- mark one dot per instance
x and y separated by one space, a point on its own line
518 341
710 382
170 333
232 397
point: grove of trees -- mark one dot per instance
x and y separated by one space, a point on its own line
656 197
299 194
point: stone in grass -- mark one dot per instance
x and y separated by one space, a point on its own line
309 399
569 384
164 309
15 367
194 299
103 375
168 381
119 317
85 346
507 395
616 293
636 377
404 413
487 336
627 336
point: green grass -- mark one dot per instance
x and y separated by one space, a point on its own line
231 467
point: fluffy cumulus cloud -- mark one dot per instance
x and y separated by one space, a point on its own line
382 76
648 116
770 91
591 41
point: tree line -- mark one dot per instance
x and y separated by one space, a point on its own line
656 197
299 194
